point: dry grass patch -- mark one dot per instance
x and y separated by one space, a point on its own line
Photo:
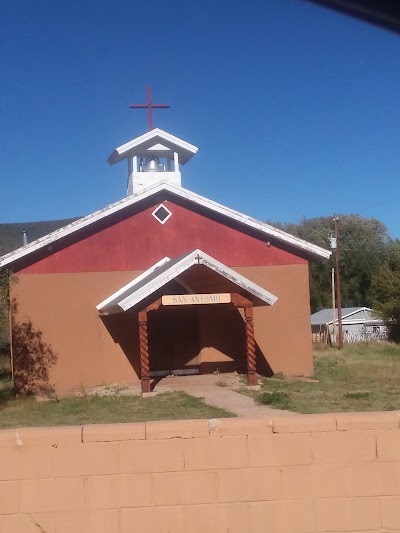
25 412
362 377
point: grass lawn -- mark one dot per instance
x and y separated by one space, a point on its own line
23 412
363 377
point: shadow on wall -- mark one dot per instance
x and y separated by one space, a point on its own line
225 330
33 357
124 330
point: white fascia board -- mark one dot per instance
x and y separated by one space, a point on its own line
351 314
167 276
78 224
118 153
249 221
357 311
236 278
115 298
146 193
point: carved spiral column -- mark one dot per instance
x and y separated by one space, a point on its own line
144 352
251 346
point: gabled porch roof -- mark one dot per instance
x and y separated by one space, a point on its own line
167 270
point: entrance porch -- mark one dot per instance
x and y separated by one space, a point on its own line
195 315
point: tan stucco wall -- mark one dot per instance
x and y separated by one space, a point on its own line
292 474
89 351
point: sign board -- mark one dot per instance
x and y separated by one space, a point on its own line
196 299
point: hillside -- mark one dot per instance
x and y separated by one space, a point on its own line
11 234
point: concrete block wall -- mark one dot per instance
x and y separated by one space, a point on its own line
292 474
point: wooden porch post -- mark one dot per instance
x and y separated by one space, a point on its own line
251 346
144 352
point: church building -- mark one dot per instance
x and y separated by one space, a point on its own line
162 282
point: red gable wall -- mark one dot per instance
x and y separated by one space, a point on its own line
140 240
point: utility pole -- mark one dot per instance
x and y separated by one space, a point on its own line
333 305
338 292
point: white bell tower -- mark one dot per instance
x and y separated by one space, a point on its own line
153 157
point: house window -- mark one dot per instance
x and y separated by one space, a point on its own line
162 214
376 329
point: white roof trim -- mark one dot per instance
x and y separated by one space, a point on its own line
120 153
351 314
268 230
126 297
113 299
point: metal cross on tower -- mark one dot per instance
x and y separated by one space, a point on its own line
149 106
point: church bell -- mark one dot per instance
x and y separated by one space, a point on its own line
153 165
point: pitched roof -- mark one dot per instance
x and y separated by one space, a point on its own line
11 233
148 140
174 190
168 269
325 315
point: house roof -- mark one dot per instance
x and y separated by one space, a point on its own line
155 139
179 192
11 233
325 315
168 269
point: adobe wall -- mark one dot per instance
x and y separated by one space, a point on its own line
57 313
292 474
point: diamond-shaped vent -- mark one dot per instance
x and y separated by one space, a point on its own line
162 214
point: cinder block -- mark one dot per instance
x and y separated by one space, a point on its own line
8 438
280 449
218 518
152 520
388 479
46 521
388 445
249 484
180 429
365 421
87 522
363 479
26 463
118 491
348 514
51 495
303 423
299 516
86 459
50 436
267 517
363 514
390 512
331 514
113 432
8 497
185 488
151 456
315 481
221 427
340 447
207 454
19 523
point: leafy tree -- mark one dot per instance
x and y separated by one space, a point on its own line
386 288
6 279
362 243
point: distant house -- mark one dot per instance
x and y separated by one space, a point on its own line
359 323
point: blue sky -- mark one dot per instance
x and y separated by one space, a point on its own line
295 108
